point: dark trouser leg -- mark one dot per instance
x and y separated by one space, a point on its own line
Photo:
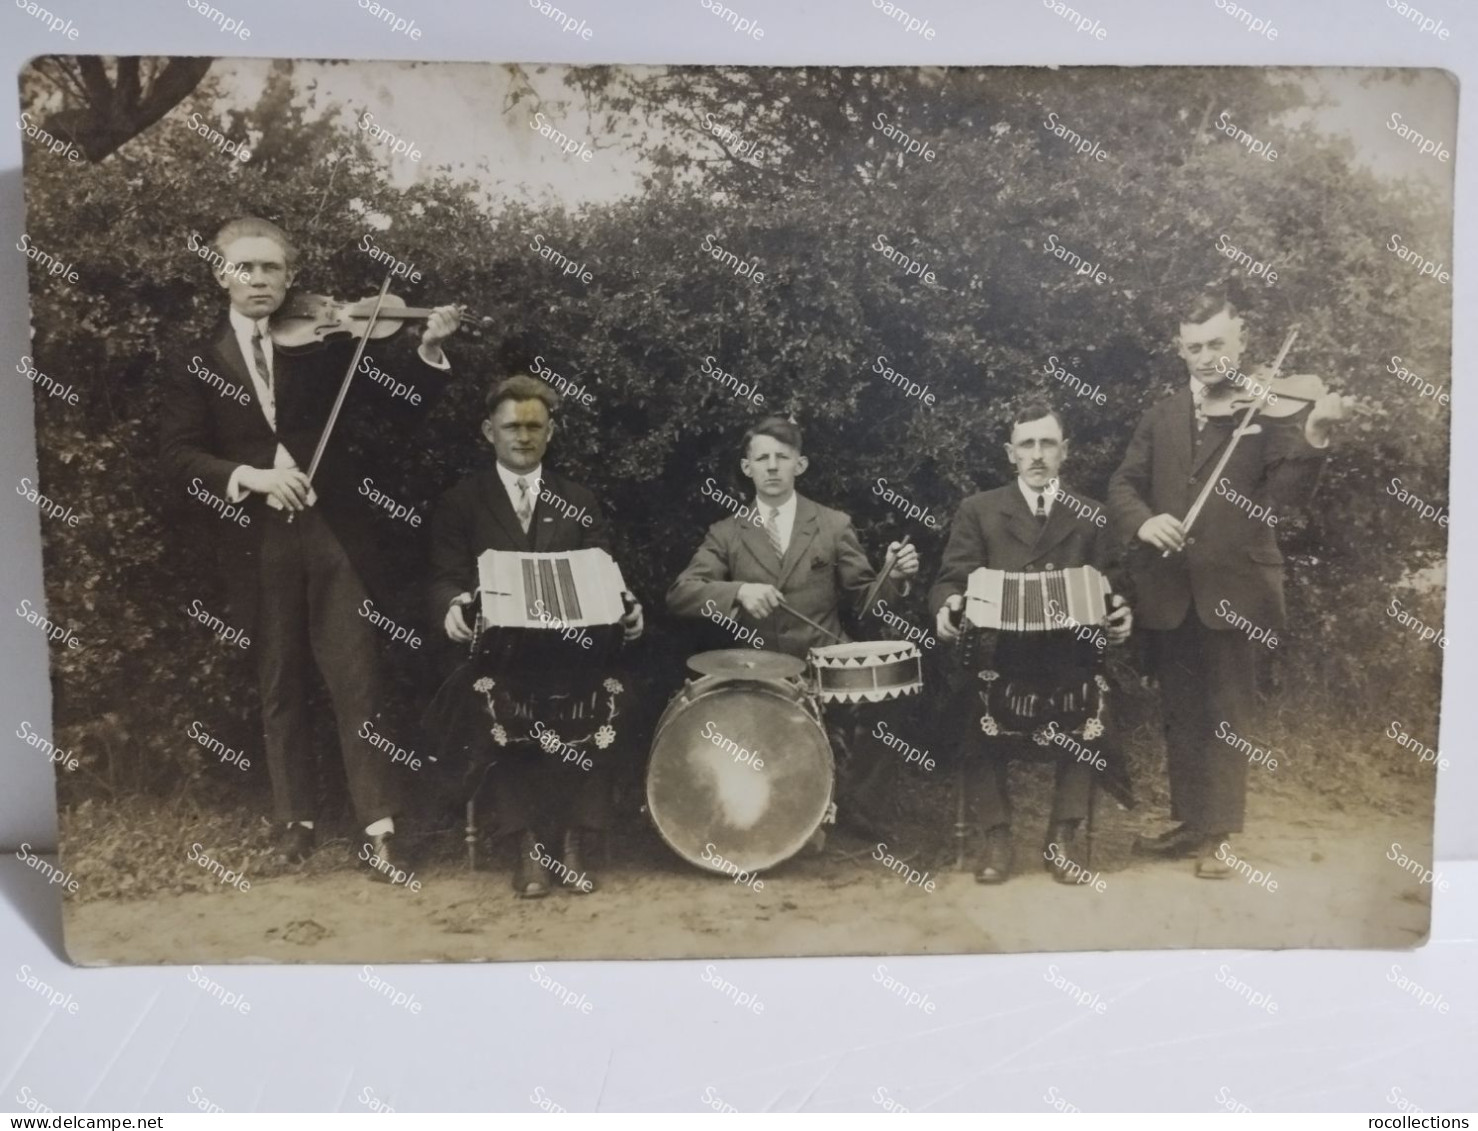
535 793
281 643
1207 678
869 781
344 644
1073 789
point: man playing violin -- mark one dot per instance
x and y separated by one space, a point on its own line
240 420
1210 598
786 550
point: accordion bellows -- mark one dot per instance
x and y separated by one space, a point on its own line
1046 601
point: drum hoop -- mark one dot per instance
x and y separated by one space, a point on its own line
824 655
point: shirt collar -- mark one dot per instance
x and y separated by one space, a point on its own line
785 512
1030 494
1198 389
246 327
510 479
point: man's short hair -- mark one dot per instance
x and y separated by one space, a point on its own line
522 387
248 227
1207 305
780 428
1036 409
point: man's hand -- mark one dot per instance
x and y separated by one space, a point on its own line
455 623
1163 532
905 559
633 622
945 620
759 600
440 326
1120 621
288 485
1328 410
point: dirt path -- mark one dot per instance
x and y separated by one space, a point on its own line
1336 888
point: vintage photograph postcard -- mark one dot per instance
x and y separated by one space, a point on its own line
506 511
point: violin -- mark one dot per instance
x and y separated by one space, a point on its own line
1275 397
305 321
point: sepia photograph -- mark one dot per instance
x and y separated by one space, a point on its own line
504 511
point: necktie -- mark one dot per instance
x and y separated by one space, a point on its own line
259 358
525 507
1041 508
1198 399
772 528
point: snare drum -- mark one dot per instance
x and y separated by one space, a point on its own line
866 671
741 771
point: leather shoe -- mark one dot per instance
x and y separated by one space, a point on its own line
530 877
995 868
575 875
379 854
1064 853
1208 866
296 843
1178 843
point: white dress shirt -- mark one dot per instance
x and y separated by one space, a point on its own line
784 518
1031 495
510 484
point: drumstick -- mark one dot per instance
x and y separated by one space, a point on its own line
889 560
813 624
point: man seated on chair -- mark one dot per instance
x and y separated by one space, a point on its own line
550 786
794 551
1032 525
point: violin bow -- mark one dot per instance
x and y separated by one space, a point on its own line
333 416
1237 434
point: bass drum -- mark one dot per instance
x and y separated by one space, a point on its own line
741 769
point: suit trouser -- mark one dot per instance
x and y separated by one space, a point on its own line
537 793
1207 677
987 762
868 774
311 598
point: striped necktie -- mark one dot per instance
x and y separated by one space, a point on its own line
772 528
525 508
259 358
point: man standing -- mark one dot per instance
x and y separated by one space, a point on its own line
239 424
544 789
794 550
1034 524
1211 597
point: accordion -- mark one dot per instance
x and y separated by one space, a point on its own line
1044 622
549 610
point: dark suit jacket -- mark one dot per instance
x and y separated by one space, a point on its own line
824 568
476 515
206 436
1233 557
